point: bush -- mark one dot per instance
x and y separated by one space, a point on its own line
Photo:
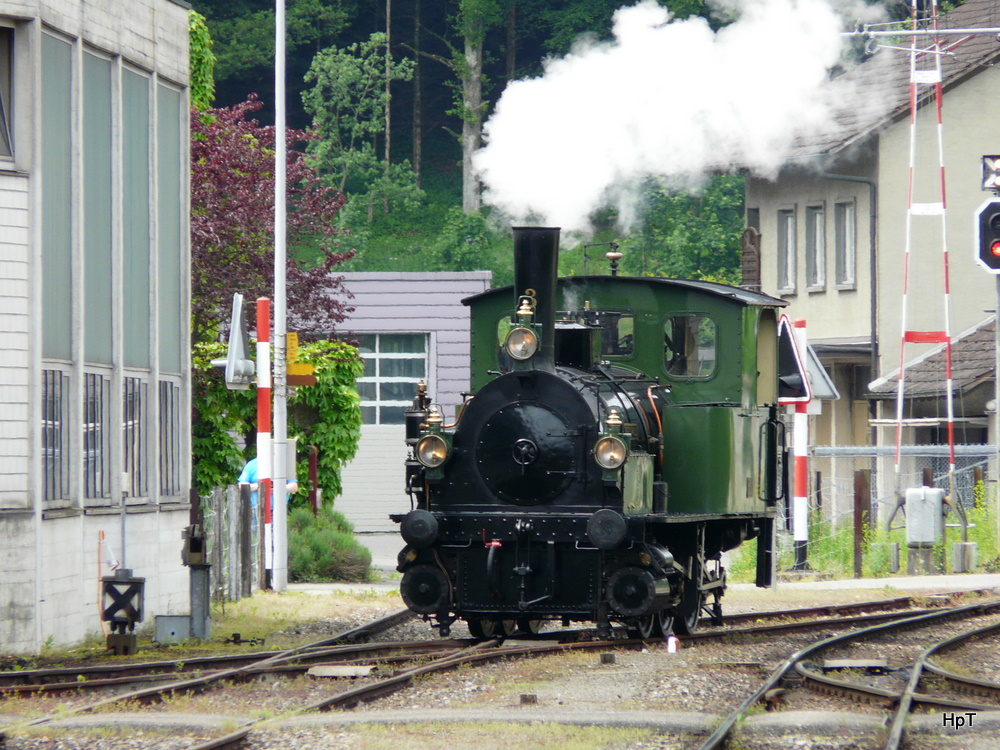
323 548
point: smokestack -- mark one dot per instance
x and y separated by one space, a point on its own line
536 266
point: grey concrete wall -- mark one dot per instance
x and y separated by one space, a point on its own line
70 608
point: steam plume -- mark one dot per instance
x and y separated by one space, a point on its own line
665 98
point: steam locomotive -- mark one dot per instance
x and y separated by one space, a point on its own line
623 433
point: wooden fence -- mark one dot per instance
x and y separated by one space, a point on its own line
232 542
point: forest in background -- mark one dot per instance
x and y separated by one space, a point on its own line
398 90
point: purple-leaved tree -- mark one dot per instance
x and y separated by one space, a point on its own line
232 225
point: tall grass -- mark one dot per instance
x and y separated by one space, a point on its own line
831 546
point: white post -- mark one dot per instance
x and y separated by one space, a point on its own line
800 444
279 579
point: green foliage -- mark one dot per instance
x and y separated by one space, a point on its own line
326 415
202 62
324 548
218 413
464 241
831 547
348 102
246 32
689 235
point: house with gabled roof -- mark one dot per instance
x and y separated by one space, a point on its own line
829 231
973 364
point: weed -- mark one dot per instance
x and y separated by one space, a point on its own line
509 735
831 546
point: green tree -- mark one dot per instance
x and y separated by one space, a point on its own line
473 20
348 101
569 19
686 234
244 35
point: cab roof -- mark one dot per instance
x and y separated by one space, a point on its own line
734 293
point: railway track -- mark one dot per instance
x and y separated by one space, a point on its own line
97 676
435 656
796 671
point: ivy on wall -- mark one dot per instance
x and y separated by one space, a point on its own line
202 62
327 415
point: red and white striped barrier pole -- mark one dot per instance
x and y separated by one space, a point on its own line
800 447
264 423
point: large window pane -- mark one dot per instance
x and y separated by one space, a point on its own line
134 436
786 250
397 392
97 220
403 368
170 239
845 241
392 415
6 100
96 435
57 203
170 439
55 437
815 247
402 343
135 214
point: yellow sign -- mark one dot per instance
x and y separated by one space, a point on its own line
299 368
291 347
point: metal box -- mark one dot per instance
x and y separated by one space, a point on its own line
924 516
172 628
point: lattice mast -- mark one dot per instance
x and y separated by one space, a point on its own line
928 75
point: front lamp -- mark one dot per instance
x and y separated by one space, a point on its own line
521 343
431 450
610 452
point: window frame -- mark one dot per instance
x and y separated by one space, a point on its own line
135 429
96 437
786 235
815 237
170 409
377 379
56 436
845 244
717 345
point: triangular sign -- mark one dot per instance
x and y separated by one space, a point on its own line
239 366
793 384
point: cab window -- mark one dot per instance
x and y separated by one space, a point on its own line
690 345
617 330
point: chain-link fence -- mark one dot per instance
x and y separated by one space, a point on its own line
833 469
855 490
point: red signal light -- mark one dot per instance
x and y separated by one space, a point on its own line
987 235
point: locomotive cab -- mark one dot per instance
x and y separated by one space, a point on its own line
614 447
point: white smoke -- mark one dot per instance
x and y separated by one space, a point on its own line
664 98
